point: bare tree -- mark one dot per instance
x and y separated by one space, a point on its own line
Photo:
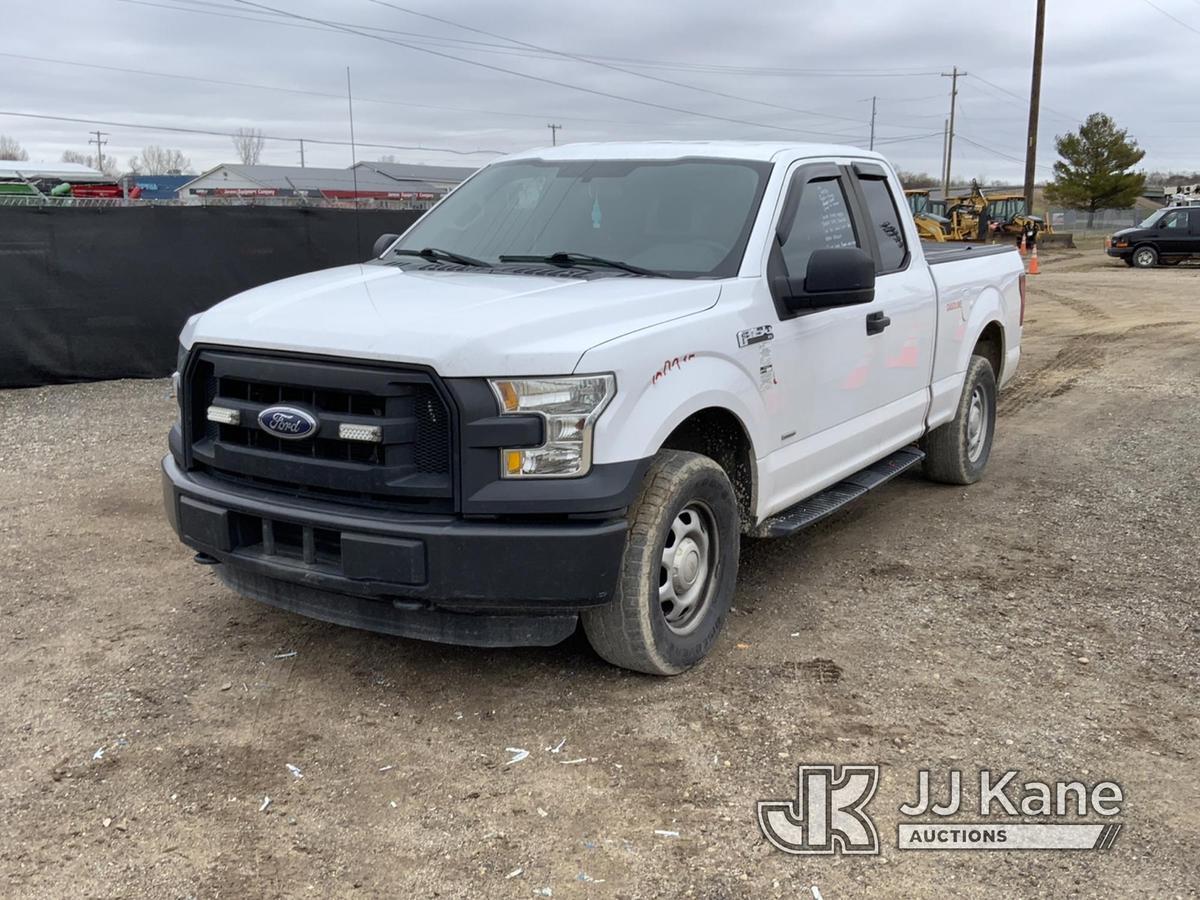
248 144
10 149
156 160
109 166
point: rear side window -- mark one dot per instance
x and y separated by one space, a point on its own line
822 221
885 219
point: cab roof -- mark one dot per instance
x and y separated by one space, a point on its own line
764 151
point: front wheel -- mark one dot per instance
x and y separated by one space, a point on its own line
678 572
1145 257
957 452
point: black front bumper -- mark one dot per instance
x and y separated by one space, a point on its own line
386 571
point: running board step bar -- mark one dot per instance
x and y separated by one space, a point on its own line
830 500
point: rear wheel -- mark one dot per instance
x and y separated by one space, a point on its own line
957 452
678 572
1145 257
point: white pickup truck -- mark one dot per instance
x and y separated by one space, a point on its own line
570 389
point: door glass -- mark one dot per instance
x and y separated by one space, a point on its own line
1177 221
886 221
822 221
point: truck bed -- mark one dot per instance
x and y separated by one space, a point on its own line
943 253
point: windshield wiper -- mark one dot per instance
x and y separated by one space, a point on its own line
566 258
435 254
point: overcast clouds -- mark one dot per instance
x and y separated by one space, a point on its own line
1125 58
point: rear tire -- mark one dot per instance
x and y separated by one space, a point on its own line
957 452
1145 257
678 572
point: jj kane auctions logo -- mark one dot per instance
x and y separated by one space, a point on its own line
829 814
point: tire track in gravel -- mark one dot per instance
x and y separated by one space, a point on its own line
1080 307
1081 354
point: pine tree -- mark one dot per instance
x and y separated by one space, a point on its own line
1094 172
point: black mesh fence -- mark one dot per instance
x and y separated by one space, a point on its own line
88 294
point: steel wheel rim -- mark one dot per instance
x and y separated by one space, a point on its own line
976 424
687 567
1145 258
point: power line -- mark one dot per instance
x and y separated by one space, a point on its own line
141 126
999 153
276 17
1173 18
1021 101
606 65
531 77
911 137
299 91
489 47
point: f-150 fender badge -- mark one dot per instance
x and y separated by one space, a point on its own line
755 335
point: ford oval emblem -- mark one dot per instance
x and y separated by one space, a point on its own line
287 422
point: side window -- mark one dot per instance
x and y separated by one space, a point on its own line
822 221
1177 221
885 219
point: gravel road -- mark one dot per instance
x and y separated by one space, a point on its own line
1044 620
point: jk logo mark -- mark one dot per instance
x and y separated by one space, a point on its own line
828 814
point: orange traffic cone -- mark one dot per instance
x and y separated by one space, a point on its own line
1024 250
1033 263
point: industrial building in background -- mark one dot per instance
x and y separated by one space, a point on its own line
384 185
397 185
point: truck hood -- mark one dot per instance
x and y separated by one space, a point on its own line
458 323
1132 232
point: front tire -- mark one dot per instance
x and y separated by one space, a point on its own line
678 572
1145 257
957 452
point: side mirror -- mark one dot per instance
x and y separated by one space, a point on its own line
382 243
842 276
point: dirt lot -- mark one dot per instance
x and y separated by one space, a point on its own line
1044 620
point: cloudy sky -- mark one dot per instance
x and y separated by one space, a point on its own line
621 69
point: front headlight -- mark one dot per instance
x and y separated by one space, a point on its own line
181 355
569 407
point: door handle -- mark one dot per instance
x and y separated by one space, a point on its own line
876 322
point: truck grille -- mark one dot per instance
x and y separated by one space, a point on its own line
410 468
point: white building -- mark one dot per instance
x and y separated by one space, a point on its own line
391 182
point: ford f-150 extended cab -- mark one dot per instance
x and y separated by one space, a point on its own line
569 389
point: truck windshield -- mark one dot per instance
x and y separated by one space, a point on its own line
1153 219
686 218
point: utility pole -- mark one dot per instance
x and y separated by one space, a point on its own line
1035 92
873 99
99 148
954 76
945 141
554 134
302 153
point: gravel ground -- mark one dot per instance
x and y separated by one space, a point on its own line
1043 620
